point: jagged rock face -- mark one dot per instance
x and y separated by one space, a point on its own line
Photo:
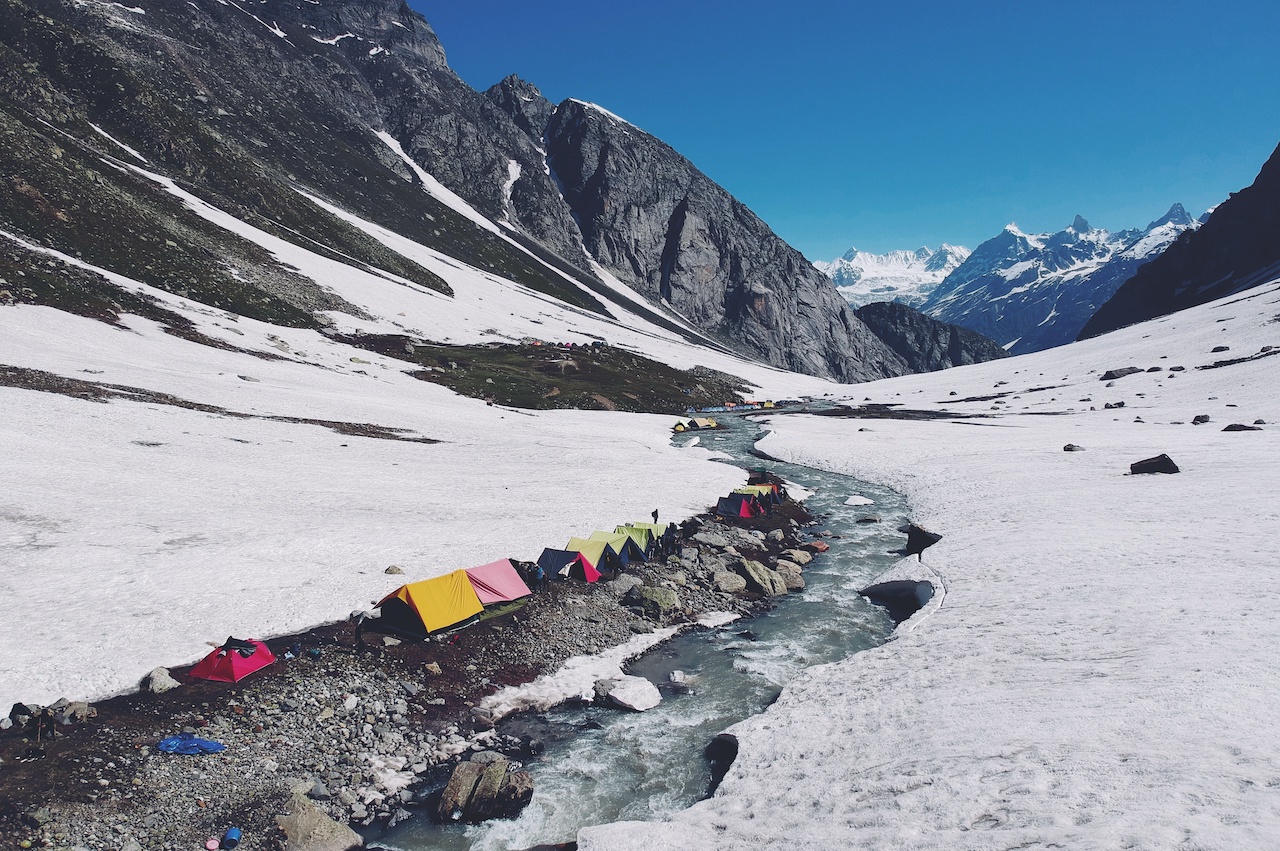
649 216
525 105
1238 247
926 344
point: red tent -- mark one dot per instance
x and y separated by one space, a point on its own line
497 582
233 661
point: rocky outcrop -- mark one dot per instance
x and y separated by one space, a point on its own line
923 343
479 790
307 828
1235 249
650 217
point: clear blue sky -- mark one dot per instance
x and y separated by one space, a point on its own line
898 124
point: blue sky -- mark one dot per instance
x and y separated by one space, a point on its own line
895 125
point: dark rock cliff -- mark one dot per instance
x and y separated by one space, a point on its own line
245 105
1237 248
926 344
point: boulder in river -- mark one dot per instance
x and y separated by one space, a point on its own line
629 692
479 791
902 598
800 557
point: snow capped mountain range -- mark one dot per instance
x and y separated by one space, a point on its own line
1034 291
906 277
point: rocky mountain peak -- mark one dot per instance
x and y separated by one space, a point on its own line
522 101
1177 215
1080 225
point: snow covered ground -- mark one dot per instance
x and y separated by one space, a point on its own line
1101 670
133 533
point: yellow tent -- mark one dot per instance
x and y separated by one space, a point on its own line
421 608
705 422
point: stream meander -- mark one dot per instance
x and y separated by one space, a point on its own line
646 766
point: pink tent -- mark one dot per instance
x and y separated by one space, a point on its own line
497 582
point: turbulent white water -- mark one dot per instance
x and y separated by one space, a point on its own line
649 765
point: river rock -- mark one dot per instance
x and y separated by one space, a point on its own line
481 791
159 681
775 535
800 557
761 579
634 693
790 576
307 828
729 583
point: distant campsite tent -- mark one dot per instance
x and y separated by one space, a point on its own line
567 564
681 425
621 544
599 553
420 608
704 422
497 582
738 505
233 661
642 535
762 492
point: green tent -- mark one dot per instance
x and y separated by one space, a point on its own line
602 556
641 535
621 544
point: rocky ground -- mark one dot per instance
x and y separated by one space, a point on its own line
333 734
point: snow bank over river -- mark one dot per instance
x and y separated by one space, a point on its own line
1102 670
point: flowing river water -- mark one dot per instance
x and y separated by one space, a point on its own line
645 766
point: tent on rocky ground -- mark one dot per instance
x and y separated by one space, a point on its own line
704 422
762 492
420 608
664 534
497 582
600 554
738 505
567 564
642 535
621 543
233 661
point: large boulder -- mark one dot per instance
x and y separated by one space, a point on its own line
481 790
799 557
761 579
657 602
307 828
1158 464
159 681
919 539
791 577
629 692
1113 374
729 583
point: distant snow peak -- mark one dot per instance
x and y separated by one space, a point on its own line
1035 291
903 276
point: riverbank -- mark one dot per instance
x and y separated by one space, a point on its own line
351 730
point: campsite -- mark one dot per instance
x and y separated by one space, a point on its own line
330 694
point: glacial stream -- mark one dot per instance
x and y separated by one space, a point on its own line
646 766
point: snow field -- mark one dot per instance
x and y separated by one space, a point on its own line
1101 670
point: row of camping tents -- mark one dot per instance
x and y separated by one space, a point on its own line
607 552
750 500
455 599
411 611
